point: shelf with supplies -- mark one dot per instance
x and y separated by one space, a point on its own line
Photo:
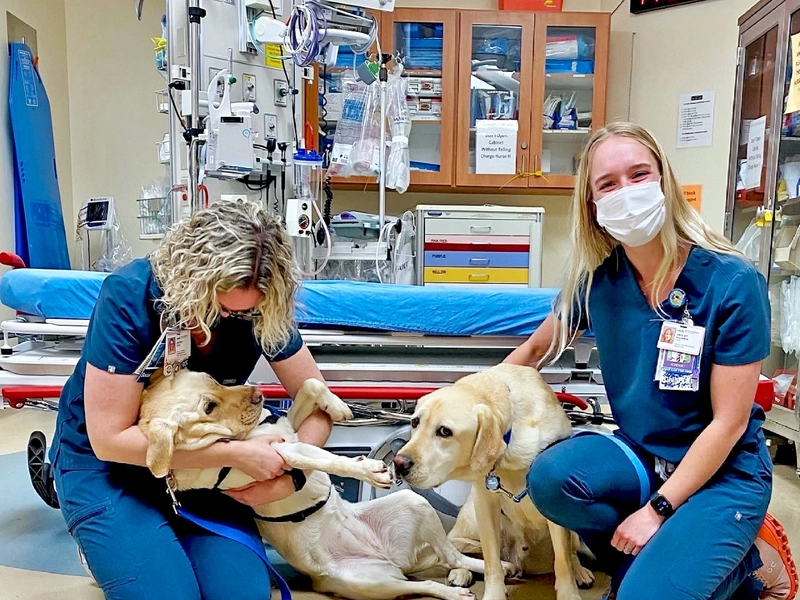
518 59
760 98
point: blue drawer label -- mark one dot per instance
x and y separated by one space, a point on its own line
438 258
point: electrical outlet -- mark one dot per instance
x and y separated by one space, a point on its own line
281 92
270 126
248 88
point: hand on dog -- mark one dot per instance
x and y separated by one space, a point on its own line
259 459
635 531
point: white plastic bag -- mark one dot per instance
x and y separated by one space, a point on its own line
749 243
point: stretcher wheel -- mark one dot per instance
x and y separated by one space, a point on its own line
39 469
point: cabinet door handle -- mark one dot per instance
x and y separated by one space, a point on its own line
480 228
479 261
478 277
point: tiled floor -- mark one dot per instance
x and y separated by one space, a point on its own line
15 426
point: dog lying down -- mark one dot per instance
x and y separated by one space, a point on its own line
359 551
493 424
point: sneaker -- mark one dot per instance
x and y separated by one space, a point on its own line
779 573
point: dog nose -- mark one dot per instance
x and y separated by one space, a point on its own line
403 464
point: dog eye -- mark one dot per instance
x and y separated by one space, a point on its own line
444 432
209 407
414 422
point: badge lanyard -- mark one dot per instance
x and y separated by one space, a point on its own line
170 352
680 346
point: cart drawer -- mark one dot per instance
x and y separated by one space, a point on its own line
473 227
444 258
474 275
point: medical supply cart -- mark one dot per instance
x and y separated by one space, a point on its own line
486 245
763 205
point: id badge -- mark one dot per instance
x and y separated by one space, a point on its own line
678 337
680 351
177 350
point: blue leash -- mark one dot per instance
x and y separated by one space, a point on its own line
234 534
644 480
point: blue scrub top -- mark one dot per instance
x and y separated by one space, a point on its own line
728 297
124 326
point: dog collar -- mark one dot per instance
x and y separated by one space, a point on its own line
299 516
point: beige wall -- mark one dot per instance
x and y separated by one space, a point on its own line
115 124
677 51
47 18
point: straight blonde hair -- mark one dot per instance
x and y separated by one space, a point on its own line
591 244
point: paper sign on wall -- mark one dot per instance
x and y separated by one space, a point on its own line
793 99
755 153
695 119
274 53
693 195
496 147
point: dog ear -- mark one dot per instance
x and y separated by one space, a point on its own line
489 444
161 436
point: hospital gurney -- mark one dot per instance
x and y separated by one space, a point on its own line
359 333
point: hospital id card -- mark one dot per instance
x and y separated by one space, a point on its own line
678 371
177 351
678 337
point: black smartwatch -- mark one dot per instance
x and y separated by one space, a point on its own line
298 478
661 505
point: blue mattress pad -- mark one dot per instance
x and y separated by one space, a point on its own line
446 310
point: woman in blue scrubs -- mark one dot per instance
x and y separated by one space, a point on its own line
672 503
224 280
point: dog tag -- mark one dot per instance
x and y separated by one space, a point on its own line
492 482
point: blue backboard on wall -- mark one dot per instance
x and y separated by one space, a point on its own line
640 6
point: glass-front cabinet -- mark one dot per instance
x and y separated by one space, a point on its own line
763 214
494 108
425 42
497 99
531 89
573 68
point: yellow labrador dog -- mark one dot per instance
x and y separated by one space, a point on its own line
361 551
486 429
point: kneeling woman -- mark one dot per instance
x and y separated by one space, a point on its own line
218 293
672 503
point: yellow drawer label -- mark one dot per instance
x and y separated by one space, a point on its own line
473 275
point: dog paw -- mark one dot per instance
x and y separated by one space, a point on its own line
375 472
464 594
498 595
583 577
335 407
571 593
459 578
511 571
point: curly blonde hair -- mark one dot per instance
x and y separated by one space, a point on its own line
230 245
591 244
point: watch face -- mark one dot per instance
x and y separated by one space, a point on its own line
661 505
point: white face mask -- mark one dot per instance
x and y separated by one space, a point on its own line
634 214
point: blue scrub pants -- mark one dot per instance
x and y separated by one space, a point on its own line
703 552
136 547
